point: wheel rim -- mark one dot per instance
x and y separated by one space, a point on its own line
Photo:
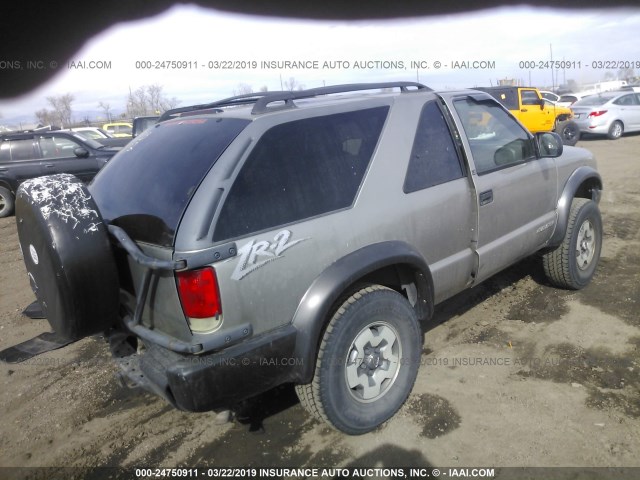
586 245
373 362
617 129
569 133
3 203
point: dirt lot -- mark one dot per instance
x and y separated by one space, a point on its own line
563 390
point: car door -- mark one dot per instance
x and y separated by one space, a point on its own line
19 160
628 107
534 115
515 191
58 155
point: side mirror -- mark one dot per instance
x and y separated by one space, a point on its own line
81 152
549 144
541 102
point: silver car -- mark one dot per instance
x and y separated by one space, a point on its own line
609 113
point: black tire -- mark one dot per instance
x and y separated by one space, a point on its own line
7 202
68 256
569 132
374 336
574 262
615 130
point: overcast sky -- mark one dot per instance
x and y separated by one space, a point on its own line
368 51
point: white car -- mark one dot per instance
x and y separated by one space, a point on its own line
93 133
569 99
547 95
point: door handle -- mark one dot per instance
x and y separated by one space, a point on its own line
486 197
3 169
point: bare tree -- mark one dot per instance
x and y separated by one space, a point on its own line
61 106
264 88
292 84
106 108
243 89
44 116
626 74
149 99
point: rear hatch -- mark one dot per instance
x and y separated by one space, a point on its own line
147 186
145 190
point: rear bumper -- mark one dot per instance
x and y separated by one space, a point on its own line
200 383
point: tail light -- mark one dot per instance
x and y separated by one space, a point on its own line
596 114
200 298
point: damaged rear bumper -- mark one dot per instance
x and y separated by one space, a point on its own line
205 382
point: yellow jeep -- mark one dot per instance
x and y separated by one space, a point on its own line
536 113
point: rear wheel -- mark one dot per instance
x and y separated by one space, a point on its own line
367 363
6 202
574 262
615 130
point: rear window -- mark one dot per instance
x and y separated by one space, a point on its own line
146 187
593 100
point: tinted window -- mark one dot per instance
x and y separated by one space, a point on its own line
434 158
57 147
146 187
301 169
496 139
22 149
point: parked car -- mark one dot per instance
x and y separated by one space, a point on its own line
33 154
536 113
119 129
101 136
569 99
609 113
140 124
303 237
547 95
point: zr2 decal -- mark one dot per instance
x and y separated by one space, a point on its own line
254 255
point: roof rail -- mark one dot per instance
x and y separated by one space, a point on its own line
262 100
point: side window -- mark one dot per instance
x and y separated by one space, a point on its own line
627 100
22 149
434 157
301 169
496 139
57 147
529 97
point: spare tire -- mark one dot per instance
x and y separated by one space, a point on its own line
68 255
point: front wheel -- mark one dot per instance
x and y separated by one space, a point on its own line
367 363
574 262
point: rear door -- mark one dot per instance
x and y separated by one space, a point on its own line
515 191
629 111
19 160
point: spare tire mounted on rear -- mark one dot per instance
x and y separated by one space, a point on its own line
68 255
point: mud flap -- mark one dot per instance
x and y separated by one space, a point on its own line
45 342
34 311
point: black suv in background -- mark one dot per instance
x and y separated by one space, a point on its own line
28 155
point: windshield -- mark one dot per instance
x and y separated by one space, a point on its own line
92 143
146 187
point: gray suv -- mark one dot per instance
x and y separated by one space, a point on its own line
303 237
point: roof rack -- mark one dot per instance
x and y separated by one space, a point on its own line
262 100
